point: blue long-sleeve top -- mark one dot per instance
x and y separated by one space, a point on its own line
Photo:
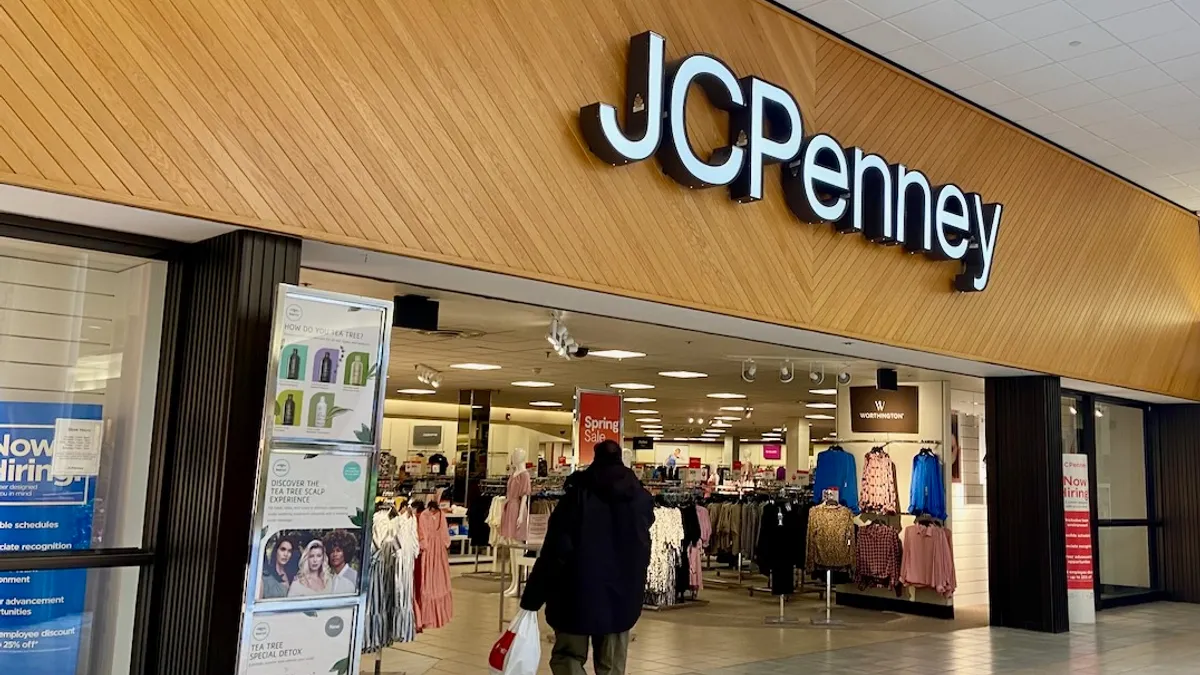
836 469
927 495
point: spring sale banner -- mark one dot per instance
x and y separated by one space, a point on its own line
41 613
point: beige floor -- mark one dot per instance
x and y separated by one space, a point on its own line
728 632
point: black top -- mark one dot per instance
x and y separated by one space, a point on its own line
441 462
591 573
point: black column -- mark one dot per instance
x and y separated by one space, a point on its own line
474 424
226 296
1027 567
1174 432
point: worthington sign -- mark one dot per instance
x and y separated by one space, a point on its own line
824 182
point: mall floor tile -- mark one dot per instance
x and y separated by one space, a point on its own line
729 636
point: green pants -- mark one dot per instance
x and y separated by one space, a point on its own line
571 651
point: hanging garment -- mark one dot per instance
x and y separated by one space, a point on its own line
404 623
381 587
513 524
697 574
878 493
691 535
781 543
477 516
751 523
830 542
836 468
927 496
666 535
436 602
494 518
877 559
929 559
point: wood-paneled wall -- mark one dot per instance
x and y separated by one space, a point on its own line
446 129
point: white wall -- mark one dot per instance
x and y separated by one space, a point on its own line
970 516
934 424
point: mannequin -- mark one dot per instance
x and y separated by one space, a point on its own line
516 512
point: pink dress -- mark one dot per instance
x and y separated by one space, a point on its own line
695 573
519 486
434 601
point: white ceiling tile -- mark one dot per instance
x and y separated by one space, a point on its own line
920 58
1015 59
989 93
1193 84
1046 124
1138 174
1146 22
1173 45
1126 163
956 76
1018 110
881 37
1070 96
1149 138
1186 113
1190 178
1100 111
1126 128
1160 183
1060 46
1036 81
1084 142
1183 193
885 9
1185 68
974 40
1042 20
1133 81
991 9
1192 7
1098 10
842 16
1161 97
1188 130
936 19
1105 62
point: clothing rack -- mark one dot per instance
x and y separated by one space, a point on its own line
882 442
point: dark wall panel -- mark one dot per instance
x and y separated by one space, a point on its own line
226 289
1175 437
1027 568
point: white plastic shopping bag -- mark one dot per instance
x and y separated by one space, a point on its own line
519 650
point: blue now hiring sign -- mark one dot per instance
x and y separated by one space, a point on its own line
41 613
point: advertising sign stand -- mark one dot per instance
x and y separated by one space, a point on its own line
1081 606
309 566
597 418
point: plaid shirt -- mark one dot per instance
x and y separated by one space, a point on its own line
878 557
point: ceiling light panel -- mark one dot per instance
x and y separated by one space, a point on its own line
648 419
631 386
683 374
474 366
545 404
820 417
532 384
726 395
642 411
616 354
733 408
822 406
639 399
823 392
416 392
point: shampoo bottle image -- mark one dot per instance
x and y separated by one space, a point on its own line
326 373
289 412
356 371
293 365
322 410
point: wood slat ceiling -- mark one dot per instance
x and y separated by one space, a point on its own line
446 129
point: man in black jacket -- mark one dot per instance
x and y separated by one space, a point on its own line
591 573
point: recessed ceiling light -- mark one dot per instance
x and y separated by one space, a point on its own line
474 366
417 392
745 440
779 430
720 425
533 384
631 385
545 404
727 418
823 392
648 419
679 439
1074 43
726 395
642 411
683 374
822 406
733 408
820 417
652 427
639 399
616 354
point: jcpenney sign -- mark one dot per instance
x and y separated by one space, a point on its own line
823 182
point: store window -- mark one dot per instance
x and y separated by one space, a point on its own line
80 334
1122 507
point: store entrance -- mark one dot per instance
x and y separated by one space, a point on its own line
738 441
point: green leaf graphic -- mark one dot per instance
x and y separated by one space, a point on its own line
373 372
310 614
358 518
364 434
338 411
341 667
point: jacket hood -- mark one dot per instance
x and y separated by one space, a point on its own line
609 482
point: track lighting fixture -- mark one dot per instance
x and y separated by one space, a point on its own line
429 376
814 375
787 372
560 338
843 378
749 370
